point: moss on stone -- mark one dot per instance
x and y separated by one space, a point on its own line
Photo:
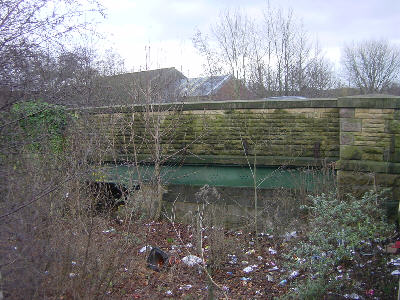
350 152
394 126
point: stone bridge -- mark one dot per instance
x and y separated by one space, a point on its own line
359 136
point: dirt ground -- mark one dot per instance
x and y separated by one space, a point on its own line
244 267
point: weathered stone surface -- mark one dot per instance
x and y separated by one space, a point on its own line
346 138
394 126
350 152
349 124
396 114
346 112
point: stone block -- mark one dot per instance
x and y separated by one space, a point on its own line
346 112
372 157
394 126
349 124
396 114
346 138
350 152
396 138
372 150
395 156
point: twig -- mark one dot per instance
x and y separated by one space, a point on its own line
35 199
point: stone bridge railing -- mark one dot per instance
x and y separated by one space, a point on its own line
360 134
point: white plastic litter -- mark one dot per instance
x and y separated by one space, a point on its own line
394 262
249 269
168 293
294 274
233 258
395 272
270 278
189 245
192 260
271 251
290 235
186 287
111 230
273 269
259 257
352 296
145 248
72 275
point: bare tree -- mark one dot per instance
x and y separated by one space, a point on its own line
29 25
319 75
372 66
273 57
232 36
212 65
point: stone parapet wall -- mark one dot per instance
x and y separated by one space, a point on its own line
360 134
369 143
285 132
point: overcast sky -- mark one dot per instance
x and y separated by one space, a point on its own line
167 26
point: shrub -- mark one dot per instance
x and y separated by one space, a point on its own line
337 229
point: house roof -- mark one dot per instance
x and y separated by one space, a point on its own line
165 85
203 86
159 78
160 84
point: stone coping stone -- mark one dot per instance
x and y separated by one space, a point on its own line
216 105
381 101
368 166
234 160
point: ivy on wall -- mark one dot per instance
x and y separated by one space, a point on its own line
42 125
